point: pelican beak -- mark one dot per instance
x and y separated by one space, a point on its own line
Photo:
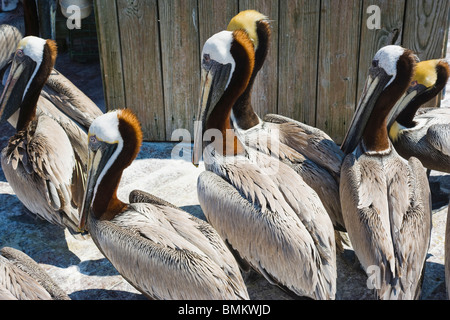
99 154
376 82
425 85
214 82
413 92
20 73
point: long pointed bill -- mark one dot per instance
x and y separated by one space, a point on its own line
414 94
426 84
198 125
214 83
96 164
401 105
15 86
375 84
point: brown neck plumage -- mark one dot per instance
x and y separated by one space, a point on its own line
243 54
244 114
406 117
106 204
375 135
28 106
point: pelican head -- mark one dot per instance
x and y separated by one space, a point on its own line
114 140
389 77
227 65
248 20
429 79
30 69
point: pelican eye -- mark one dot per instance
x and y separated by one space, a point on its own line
93 139
206 62
20 53
375 63
94 143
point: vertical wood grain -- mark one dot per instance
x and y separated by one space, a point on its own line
338 65
391 31
214 17
265 87
299 23
138 22
426 28
110 53
315 70
180 63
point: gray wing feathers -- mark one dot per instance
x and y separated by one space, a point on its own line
28 265
312 142
138 196
197 231
415 230
388 220
204 237
10 36
438 136
47 170
53 160
327 188
177 271
367 227
272 241
70 100
18 284
21 278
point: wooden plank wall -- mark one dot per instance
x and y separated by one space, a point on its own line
315 71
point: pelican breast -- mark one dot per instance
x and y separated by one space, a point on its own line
388 217
167 254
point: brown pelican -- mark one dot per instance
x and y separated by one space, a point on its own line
21 278
308 150
161 250
61 94
44 162
424 134
385 199
268 215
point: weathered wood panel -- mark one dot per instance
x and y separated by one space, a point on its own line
142 65
111 54
338 68
315 71
180 58
265 88
426 27
214 16
297 59
372 39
